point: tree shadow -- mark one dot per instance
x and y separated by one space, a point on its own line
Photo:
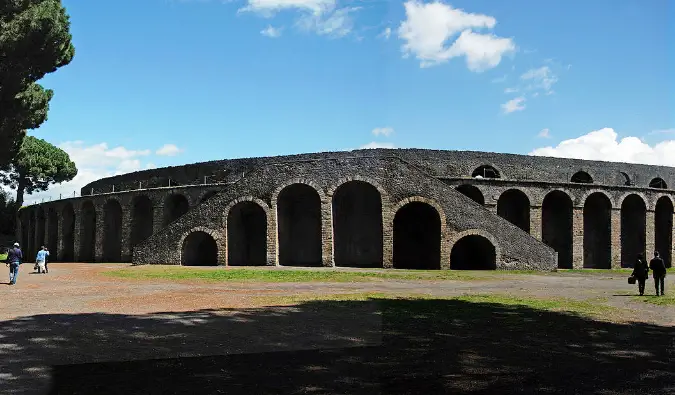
372 347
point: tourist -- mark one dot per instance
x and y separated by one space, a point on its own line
47 260
41 259
641 273
659 272
14 259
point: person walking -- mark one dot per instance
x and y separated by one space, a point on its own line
641 273
14 259
40 260
47 260
659 272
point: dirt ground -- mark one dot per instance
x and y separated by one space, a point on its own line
75 330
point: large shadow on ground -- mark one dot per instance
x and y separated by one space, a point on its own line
369 347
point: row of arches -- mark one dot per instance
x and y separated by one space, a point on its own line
557 225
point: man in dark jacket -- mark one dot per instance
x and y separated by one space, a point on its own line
659 272
641 273
14 259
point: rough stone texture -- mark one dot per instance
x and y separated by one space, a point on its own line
400 176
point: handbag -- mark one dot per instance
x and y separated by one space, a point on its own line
631 280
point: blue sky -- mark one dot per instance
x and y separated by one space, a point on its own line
214 79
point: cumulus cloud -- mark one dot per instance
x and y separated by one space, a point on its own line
544 133
605 145
375 144
168 150
428 27
271 32
514 105
386 131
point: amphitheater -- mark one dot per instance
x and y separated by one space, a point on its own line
381 208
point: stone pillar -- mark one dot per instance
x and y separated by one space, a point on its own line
387 236
126 234
672 244
100 235
327 256
272 238
535 222
578 237
59 240
492 208
650 233
157 218
76 234
616 238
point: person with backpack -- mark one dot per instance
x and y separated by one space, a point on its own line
641 273
659 272
14 260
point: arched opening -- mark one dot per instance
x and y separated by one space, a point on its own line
486 171
199 249
582 177
357 225
473 252
471 192
208 195
663 229
87 232
112 231
556 226
514 206
68 234
246 235
633 229
625 179
41 225
299 226
142 218
52 233
174 207
417 237
597 232
658 183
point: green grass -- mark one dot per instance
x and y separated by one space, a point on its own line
667 300
3 257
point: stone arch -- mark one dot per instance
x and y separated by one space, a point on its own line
633 229
486 171
87 231
514 206
418 230
112 231
67 253
474 250
52 233
472 192
658 183
208 195
584 197
175 206
41 226
199 248
142 220
556 226
597 231
627 194
299 225
663 229
582 177
246 227
311 183
357 225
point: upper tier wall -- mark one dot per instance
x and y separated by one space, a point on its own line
444 164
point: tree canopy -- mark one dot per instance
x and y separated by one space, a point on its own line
34 41
37 165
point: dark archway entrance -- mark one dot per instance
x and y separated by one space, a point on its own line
41 225
174 207
597 232
299 226
417 237
112 231
199 249
633 229
357 225
473 252
246 235
663 229
514 206
52 234
88 232
472 193
556 226
68 234
142 218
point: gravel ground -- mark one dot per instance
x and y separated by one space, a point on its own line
52 323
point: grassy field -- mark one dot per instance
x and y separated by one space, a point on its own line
666 300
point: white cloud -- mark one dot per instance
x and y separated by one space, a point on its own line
604 145
544 133
375 144
271 32
428 27
335 24
541 78
168 150
270 7
386 131
386 33
514 105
